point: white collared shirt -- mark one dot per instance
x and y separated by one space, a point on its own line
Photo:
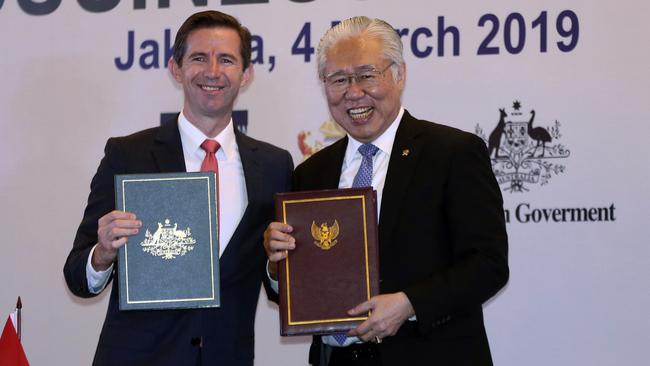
233 198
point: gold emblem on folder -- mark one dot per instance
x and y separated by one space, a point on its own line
167 241
325 235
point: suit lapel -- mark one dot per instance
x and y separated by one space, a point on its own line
404 155
167 150
251 165
329 171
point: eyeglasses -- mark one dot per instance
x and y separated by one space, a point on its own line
339 82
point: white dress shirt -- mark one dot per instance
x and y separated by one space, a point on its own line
233 198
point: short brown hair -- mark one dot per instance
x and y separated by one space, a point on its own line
211 19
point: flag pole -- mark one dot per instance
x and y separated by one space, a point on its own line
19 307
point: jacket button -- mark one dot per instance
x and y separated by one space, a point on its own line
197 341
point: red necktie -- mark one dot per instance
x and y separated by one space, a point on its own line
210 164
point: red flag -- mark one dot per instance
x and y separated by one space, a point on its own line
11 351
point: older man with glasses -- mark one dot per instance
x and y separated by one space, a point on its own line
442 237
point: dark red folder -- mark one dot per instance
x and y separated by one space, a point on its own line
335 265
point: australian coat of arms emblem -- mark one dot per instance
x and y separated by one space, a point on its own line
522 153
167 241
324 235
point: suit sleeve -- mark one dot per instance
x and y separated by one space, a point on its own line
285 173
476 236
100 201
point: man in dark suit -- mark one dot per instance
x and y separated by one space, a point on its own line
211 61
442 237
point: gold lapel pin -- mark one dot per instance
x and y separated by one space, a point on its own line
406 152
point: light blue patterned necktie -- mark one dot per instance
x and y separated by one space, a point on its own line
362 179
364 175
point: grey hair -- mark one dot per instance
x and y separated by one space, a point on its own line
357 26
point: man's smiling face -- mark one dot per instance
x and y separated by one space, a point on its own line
211 73
365 113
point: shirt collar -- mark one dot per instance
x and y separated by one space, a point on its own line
192 138
385 141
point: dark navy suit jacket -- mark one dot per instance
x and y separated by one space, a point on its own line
442 240
219 336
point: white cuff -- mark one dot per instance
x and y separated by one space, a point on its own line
274 283
97 280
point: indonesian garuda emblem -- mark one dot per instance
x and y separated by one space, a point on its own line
325 235
167 241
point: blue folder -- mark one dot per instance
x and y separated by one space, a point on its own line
173 262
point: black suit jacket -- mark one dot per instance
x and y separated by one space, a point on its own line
221 336
442 240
